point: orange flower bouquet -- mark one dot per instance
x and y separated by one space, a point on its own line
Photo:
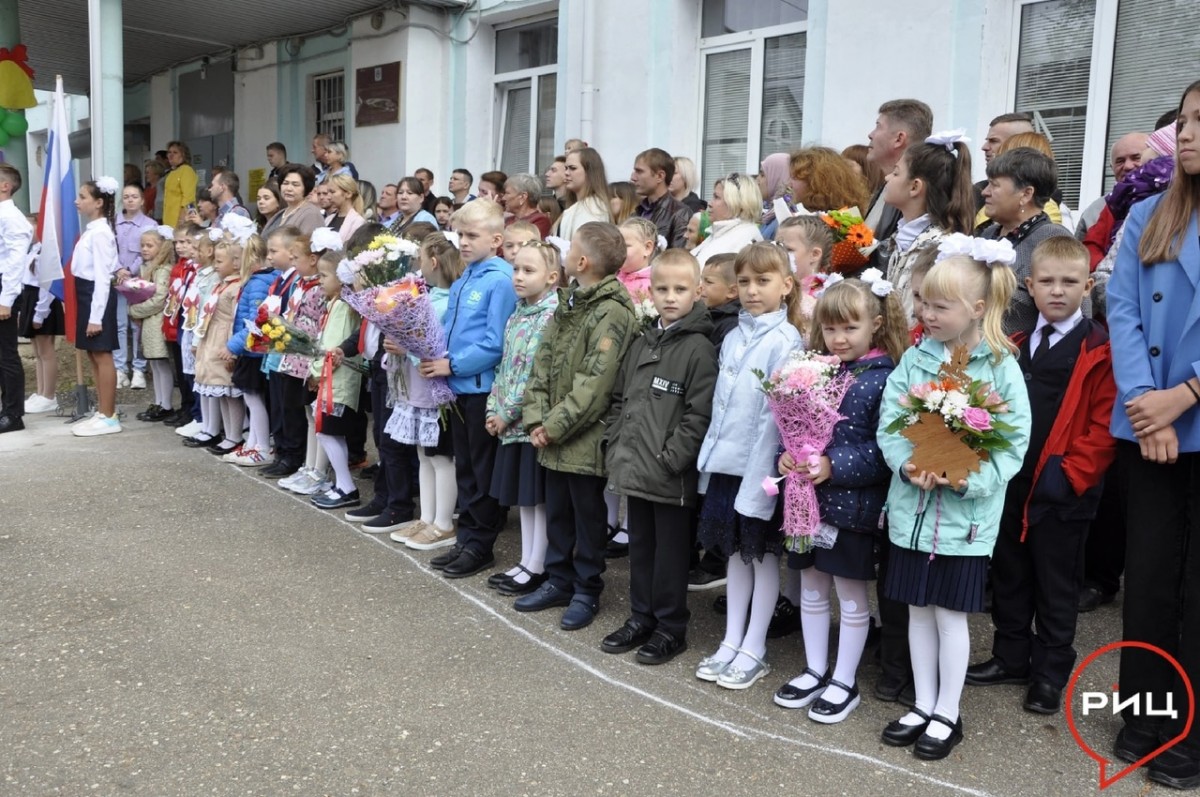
854 241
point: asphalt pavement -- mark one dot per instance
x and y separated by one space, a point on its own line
173 625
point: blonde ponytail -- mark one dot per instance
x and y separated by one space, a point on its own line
1002 284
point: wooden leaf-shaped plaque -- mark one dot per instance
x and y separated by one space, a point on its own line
937 449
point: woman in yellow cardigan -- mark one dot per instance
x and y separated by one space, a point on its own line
179 185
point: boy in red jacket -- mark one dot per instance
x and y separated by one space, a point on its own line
1037 565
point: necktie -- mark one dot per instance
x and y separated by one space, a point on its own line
1044 345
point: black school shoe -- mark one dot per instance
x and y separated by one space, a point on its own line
514 588
336 499
278 470
931 749
629 636
1134 744
468 563
1042 698
785 620
897 734
661 648
204 442
1176 768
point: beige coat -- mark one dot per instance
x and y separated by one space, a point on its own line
150 314
210 369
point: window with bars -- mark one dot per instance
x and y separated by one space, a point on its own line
329 99
1053 70
753 105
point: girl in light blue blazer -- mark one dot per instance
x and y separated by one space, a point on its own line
1154 326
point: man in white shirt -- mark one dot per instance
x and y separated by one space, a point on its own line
386 209
15 236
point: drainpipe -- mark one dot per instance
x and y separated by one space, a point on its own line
588 87
105 48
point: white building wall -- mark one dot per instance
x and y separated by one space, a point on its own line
255 105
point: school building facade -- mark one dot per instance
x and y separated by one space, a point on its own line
503 83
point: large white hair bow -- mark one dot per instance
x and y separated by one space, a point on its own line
985 250
874 279
107 185
239 228
166 231
325 238
948 138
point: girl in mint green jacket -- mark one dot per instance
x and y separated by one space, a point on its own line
942 534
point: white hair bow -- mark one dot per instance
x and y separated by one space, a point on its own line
325 238
985 250
662 243
827 282
451 236
948 138
874 279
239 228
215 234
107 185
346 272
166 231
561 244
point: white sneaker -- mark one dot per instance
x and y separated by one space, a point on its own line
37 403
190 429
288 482
315 483
122 380
139 381
95 426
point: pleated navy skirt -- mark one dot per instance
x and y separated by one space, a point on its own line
107 339
952 582
517 478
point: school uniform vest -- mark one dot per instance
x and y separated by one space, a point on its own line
1046 378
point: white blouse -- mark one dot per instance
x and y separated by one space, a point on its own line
591 209
95 259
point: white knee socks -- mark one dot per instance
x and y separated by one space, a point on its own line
853 624
339 457
533 543
233 417
164 382
814 623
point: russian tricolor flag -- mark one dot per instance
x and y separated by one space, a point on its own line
58 220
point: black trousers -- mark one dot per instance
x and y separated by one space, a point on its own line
1036 582
894 657
356 438
659 555
577 532
1104 554
12 373
187 396
393 481
1162 587
480 517
289 424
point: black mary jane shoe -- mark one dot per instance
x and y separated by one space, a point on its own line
897 734
512 587
792 696
931 749
496 579
616 550
203 442
829 713
152 409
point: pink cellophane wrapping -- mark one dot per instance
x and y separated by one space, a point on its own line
806 422
412 324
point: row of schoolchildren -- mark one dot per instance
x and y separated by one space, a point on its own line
596 402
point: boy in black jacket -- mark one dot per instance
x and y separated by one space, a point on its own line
720 293
661 407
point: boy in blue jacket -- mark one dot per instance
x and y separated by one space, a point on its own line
480 303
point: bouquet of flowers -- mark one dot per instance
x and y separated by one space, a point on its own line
274 333
854 240
386 259
135 289
403 312
952 421
804 395
643 307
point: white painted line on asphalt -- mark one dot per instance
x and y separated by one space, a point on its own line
736 730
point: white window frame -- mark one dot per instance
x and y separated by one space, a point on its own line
314 79
756 41
1104 38
503 82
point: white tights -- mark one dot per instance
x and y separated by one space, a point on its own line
612 503
164 382
259 438
339 457
233 418
940 644
533 543
439 489
815 617
316 458
210 415
752 591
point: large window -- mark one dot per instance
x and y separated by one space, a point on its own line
1053 69
526 83
329 99
1147 75
753 85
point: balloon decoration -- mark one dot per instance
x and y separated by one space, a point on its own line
16 79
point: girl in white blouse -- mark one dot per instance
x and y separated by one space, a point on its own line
93 265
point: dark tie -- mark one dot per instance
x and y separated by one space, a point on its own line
1044 344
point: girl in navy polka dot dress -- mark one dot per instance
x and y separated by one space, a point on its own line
862 322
